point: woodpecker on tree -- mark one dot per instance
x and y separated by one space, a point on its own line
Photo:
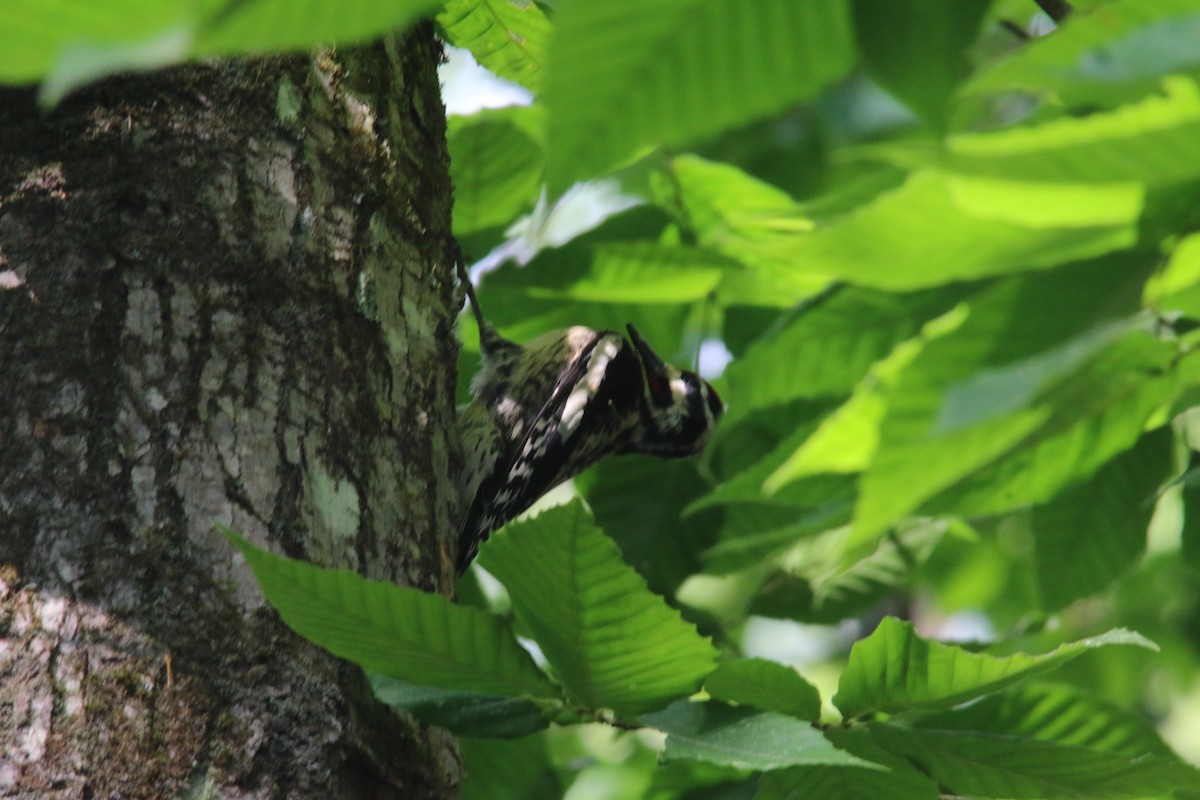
546 411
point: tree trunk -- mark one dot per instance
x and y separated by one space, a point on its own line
223 299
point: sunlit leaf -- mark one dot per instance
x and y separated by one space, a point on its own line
744 218
509 294
725 205
69 42
746 441
272 25
845 442
612 643
83 61
35 35
938 228
1177 287
1150 141
506 36
1020 340
747 484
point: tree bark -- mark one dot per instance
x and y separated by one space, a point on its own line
223 299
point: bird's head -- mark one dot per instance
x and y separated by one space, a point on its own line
680 408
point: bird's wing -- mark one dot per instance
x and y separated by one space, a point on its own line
539 461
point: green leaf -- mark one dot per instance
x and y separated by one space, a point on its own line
34 35
396 631
917 49
1190 535
753 535
1000 390
695 779
846 441
842 783
507 37
746 486
727 207
1053 713
72 42
510 291
976 392
626 75
938 228
1177 287
985 765
765 685
496 164
611 642
81 62
1150 141
509 770
463 713
743 738
826 348
845 583
894 669
274 25
1091 533
746 442
743 218
822 581
1127 385
645 273
900 781
1102 57
648 528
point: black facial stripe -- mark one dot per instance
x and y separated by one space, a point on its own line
714 403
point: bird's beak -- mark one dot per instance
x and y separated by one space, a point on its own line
657 377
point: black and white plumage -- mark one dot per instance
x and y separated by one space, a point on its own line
546 411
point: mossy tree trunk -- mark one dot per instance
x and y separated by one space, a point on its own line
223 299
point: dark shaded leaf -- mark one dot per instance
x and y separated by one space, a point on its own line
894 669
744 737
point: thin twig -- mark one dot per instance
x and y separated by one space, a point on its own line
1015 29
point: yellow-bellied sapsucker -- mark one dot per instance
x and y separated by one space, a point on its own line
546 411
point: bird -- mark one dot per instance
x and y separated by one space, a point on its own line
543 412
